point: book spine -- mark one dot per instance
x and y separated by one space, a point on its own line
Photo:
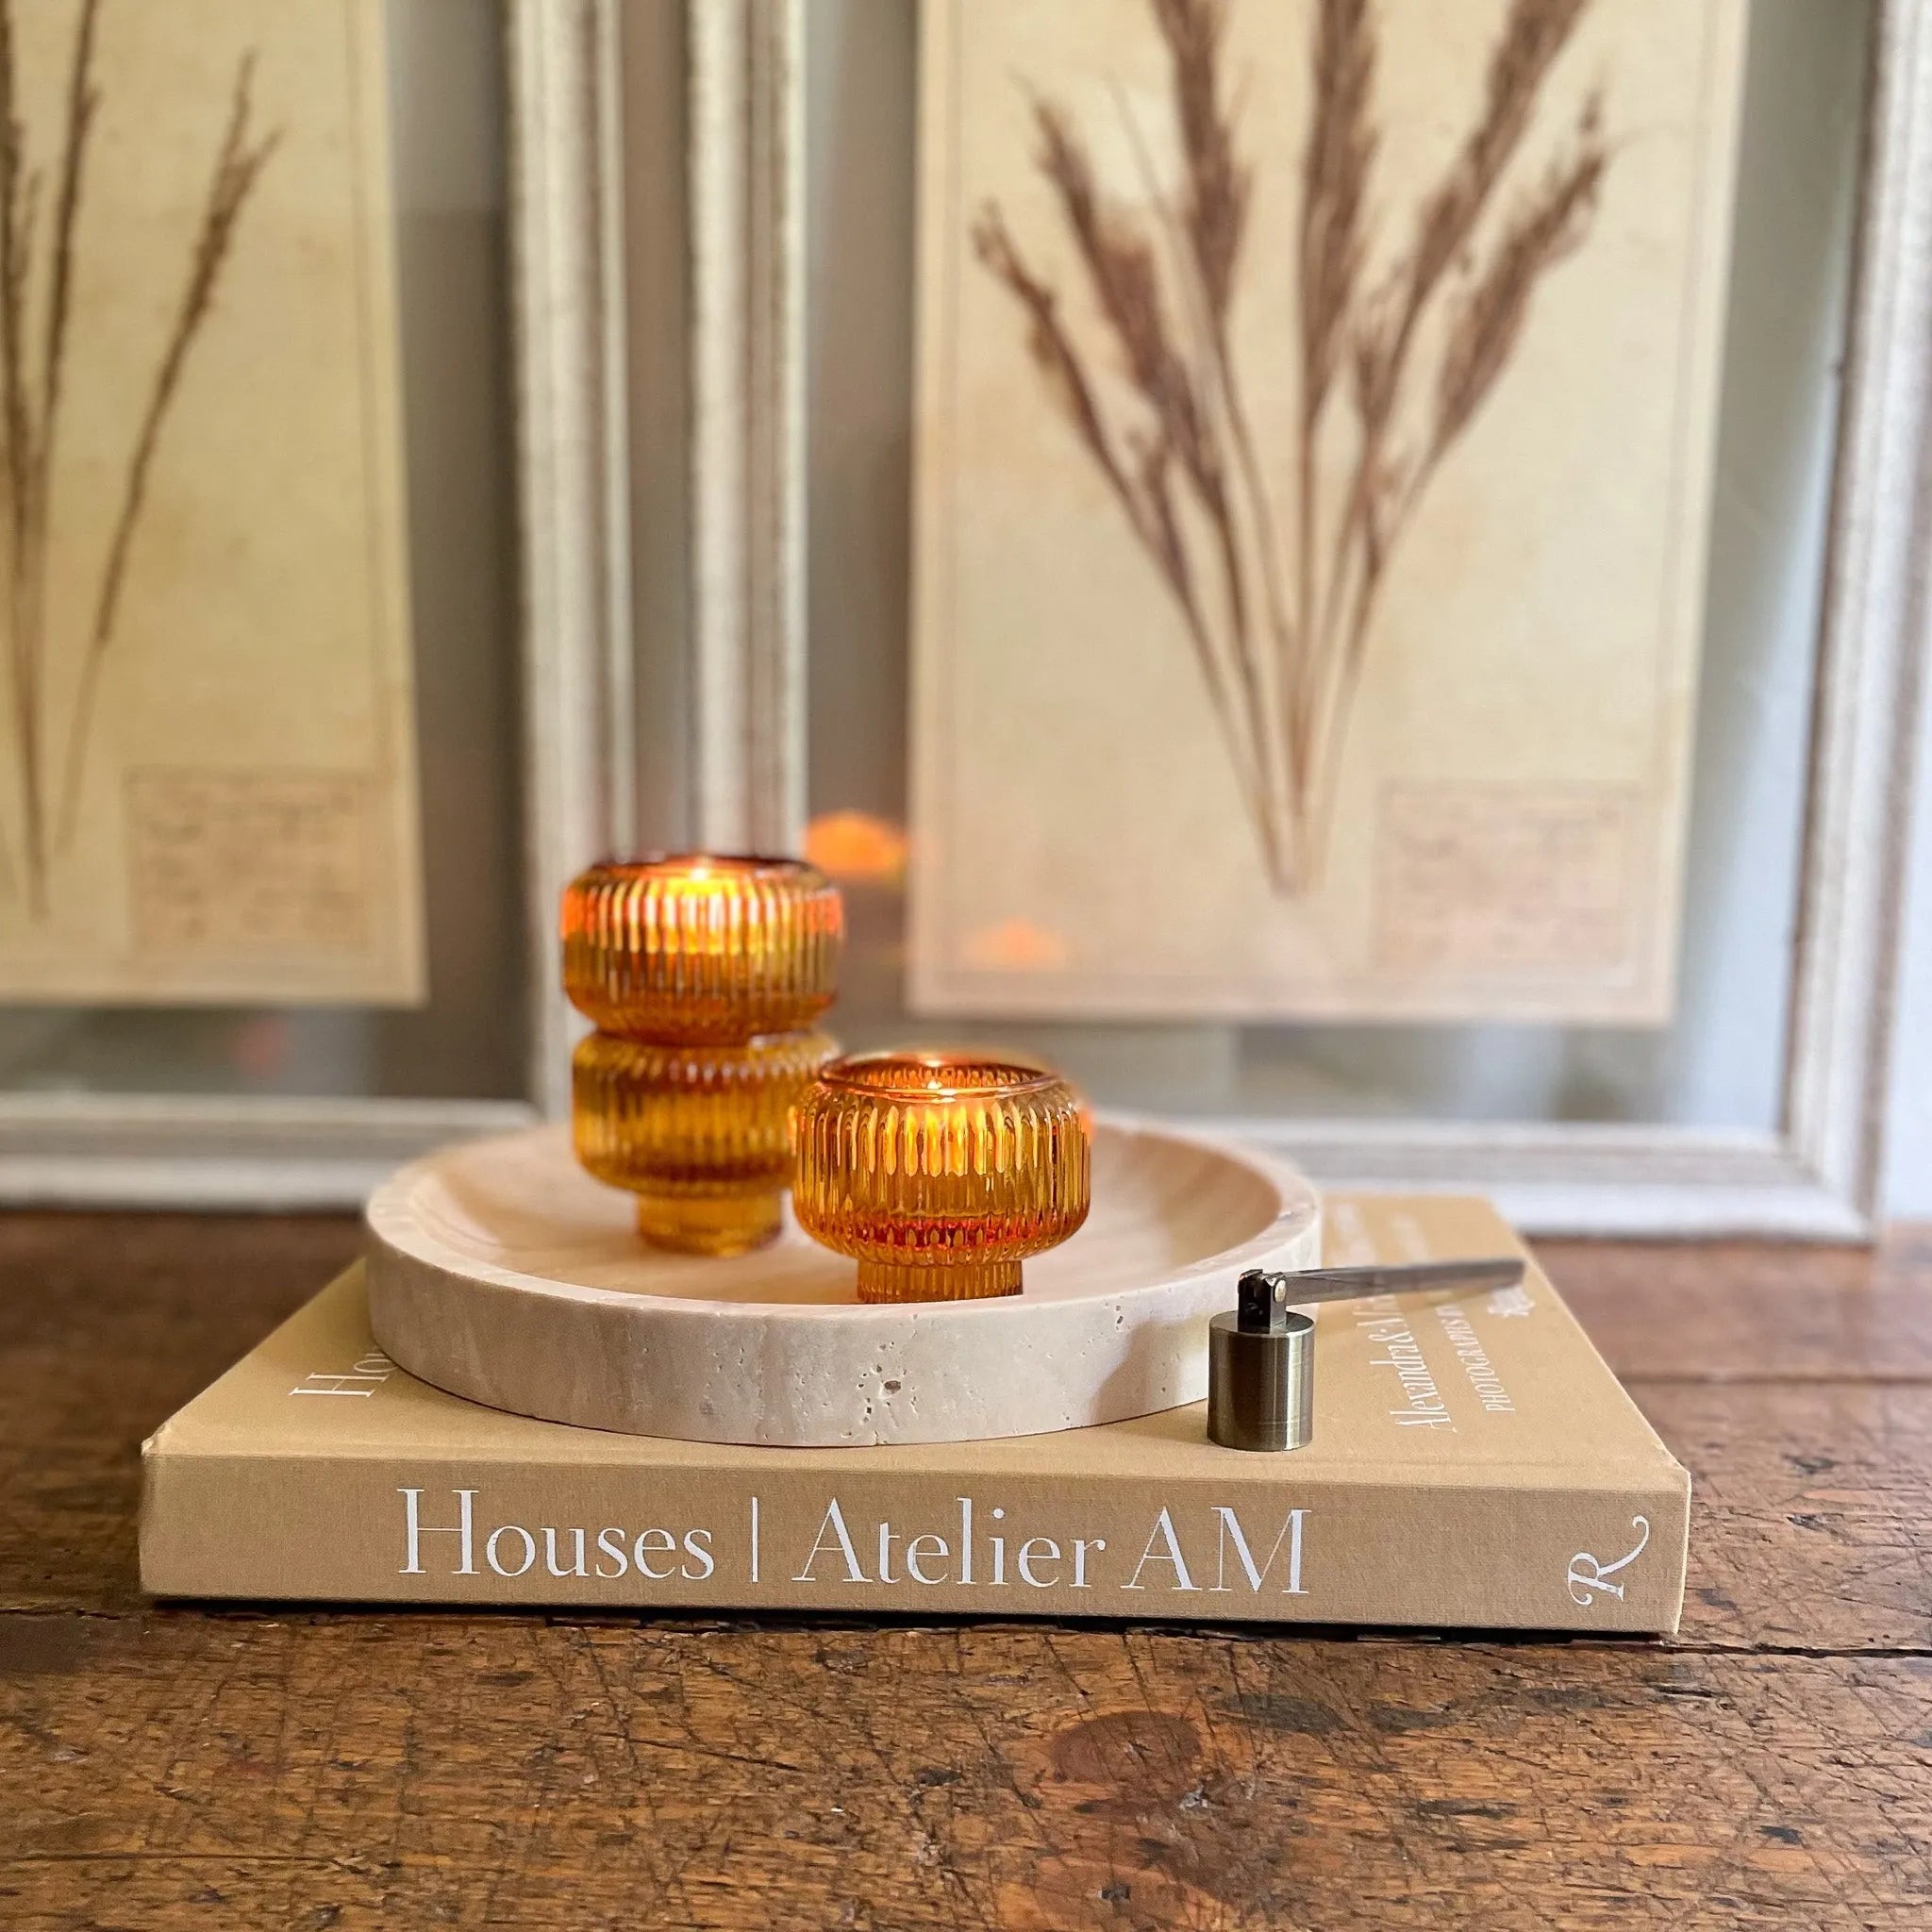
1607 1558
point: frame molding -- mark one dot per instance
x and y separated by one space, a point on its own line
163 1151
1818 1176
747 182
567 302
566 316
1874 648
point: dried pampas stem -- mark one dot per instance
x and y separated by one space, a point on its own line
34 367
236 168
1176 451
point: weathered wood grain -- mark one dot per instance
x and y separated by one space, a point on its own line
1747 1310
108 1325
173 1768
386 1772
1810 1511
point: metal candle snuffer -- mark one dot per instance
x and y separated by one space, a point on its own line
1261 1353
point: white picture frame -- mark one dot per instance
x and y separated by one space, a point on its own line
1816 1174
568 308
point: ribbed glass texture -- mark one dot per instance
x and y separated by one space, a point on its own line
939 1172
695 947
699 1134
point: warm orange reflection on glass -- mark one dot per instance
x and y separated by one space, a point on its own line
856 847
1017 945
702 974
939 1173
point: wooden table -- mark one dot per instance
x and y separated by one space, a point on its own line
162 1768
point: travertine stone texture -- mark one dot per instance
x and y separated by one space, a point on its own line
500 1271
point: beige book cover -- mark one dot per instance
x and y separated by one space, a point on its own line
208 788
1475 1465
1316 419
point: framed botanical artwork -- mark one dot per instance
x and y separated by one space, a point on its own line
208 775
306 711
1571 878
1641 978
1317 415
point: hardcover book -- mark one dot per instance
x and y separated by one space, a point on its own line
1474 1465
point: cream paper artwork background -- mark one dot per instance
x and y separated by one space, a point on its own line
1498 824
207 773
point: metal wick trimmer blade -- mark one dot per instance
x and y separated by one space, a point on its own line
1262 1355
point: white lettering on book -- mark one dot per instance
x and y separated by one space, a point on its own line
493 1541
1588 1575
510 1549
833 1525
415 1529
454 1533
1169 1552
1384 1324
650 1543
1475 1357
363 1376
1036 1549
1291 1535
576 1566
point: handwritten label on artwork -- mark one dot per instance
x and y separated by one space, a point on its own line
1478 880
248 861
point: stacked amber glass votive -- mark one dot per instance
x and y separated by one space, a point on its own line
703 976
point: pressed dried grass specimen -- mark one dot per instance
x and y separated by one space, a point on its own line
1275 572
36 289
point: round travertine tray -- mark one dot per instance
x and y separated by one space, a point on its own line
500 1271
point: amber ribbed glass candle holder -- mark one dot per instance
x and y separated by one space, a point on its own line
703 976
939 1173
699 1134
695 947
